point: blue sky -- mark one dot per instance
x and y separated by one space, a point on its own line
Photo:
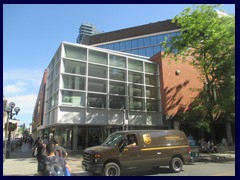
32 34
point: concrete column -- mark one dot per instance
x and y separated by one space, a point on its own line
75 137
229 133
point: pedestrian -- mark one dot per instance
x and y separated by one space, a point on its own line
96 140
224 143
45 141
20 142
59 150
41 153
53 165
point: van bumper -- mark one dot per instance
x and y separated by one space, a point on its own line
91 167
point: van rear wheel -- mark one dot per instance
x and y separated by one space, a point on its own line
176 165
111 169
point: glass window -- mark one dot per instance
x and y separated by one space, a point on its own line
117 74
157 49
134 43
135 51
136 90
128 45
117 102
149 51
153 40
110 46
135 65
140 42
97 71
73 98
122 46
142 51
136 103
98 57
160 38
96 100
135 77
117 61
150 68
97 85
73 82
74 67
75 52
116 46
146 41
117 88
151 92
150 80
152 105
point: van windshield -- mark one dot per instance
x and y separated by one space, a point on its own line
113 139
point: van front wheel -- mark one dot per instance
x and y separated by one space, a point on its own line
176 164
111 169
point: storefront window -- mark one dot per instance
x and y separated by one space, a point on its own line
152 105
136 103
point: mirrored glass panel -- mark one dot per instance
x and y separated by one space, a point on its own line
151 92
97 71
96 100
150 68
117 102
152 105
135 103
117 61
75 52
98 57
136 90
97 85
73 98
135 64
135 77
117 74
74 67
150 80
117 88
73 82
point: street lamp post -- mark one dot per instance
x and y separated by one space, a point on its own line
9 116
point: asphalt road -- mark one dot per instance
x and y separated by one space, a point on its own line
21 163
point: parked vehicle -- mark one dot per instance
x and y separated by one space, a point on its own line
136 149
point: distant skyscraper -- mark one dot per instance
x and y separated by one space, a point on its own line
86 29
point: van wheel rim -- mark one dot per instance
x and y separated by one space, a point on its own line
112 171
177 165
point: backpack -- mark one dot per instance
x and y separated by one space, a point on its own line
53 167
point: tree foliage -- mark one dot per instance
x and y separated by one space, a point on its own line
209 38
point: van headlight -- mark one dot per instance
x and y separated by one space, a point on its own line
97 158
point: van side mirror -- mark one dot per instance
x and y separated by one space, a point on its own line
122 144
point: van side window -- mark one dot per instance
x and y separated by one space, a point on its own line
131 140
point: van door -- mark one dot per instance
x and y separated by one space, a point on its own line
129 157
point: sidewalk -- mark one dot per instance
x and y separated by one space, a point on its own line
21 163
226 156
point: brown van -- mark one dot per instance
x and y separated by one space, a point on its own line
124 150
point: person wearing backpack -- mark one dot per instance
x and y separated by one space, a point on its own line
52 165
59 150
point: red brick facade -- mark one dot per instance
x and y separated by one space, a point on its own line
177 90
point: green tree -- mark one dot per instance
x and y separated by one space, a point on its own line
209 38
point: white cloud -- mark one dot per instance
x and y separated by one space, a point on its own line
25 75
14 89
25 102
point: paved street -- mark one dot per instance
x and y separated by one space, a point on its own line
21 163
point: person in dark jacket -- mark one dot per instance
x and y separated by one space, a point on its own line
41 153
